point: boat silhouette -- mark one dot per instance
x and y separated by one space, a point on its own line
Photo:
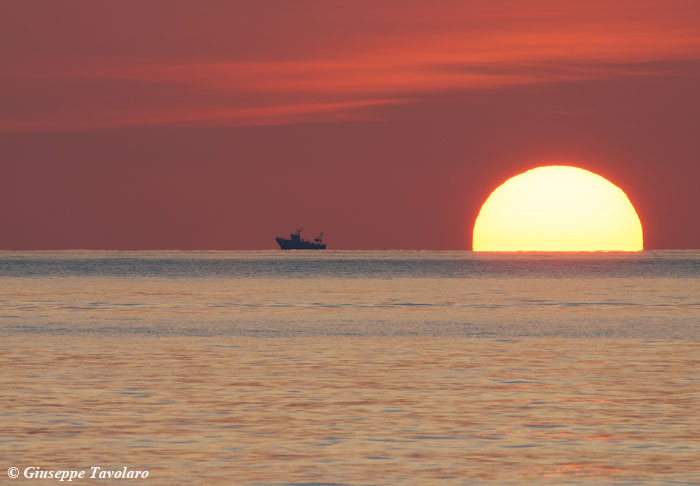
296 242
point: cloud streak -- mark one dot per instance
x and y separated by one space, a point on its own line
374 55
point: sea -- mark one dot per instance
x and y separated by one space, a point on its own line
349 368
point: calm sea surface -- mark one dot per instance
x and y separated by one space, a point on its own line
352 368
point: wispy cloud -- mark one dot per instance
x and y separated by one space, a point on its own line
387 56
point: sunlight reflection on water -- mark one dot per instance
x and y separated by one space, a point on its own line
526 376
356 410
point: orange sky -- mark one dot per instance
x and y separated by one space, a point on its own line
215 124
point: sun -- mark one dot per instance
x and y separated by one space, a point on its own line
557 208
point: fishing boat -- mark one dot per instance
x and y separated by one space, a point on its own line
296 242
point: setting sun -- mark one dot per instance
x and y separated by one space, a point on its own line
557 208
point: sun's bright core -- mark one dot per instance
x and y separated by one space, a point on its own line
557 208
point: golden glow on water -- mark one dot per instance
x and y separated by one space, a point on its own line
557 208
353 368
348 410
